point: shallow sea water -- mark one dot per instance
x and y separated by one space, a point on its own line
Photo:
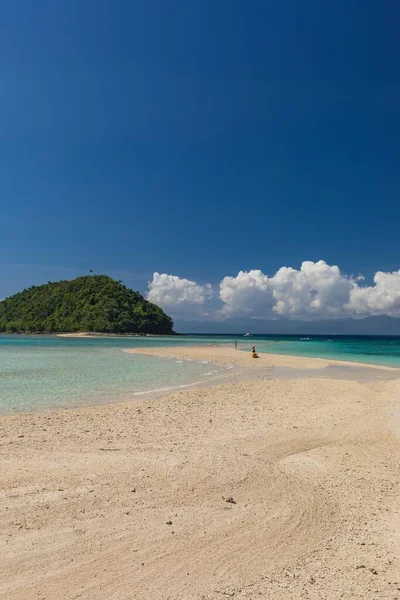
41 374
47 372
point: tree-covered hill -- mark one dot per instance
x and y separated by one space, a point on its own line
92 303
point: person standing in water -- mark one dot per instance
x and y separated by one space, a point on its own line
235 344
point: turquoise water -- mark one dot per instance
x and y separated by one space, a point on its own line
364 349
39 372
48 372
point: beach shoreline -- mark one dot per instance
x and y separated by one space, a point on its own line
92 334
226 366
219 353
258 487
275 359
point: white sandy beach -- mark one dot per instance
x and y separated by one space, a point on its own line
231 356
225 355
131 501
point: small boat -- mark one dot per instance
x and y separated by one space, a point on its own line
247 335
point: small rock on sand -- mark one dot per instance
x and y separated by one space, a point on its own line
230 500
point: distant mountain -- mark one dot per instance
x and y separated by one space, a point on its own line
92 303
369 326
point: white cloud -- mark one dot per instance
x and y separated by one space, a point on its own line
381 299
177 295
247 294
316 291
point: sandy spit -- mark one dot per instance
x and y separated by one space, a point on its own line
255 489
89 334
223 355
81 334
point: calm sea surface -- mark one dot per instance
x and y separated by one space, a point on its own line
38 372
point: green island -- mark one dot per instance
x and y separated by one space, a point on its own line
94 303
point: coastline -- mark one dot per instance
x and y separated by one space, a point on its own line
87 334
90 334
134 498
281 358
289 360
223 355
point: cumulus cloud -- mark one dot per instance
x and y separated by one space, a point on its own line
383 298
247 294
178 295
316 291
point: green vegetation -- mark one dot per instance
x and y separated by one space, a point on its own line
92 303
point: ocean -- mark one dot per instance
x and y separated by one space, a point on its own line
46 372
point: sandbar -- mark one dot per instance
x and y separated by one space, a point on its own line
261 488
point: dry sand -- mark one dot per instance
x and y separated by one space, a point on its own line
130 501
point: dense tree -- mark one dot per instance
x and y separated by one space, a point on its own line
92 303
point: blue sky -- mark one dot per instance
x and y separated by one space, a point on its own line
197 138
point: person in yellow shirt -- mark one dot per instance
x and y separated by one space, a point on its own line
253 352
